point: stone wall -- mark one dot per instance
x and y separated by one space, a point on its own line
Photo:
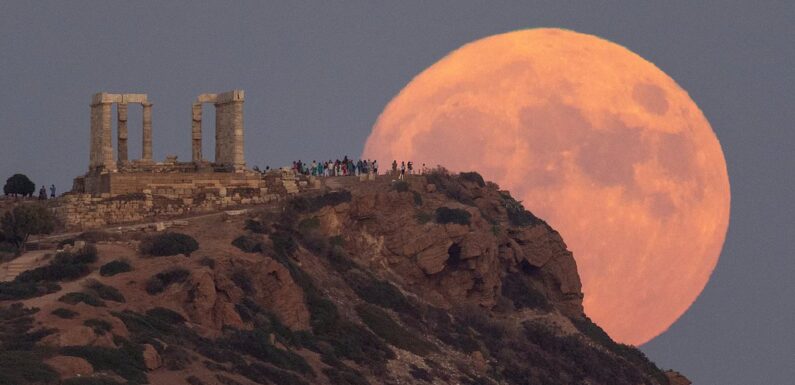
84 211
167 195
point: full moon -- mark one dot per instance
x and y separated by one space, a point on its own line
594 139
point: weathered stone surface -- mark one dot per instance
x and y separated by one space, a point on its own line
68 366
432 260
152 359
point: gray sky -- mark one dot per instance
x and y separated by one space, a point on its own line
318 74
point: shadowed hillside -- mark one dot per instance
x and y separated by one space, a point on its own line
443 279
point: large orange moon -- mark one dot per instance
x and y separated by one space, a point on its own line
594 139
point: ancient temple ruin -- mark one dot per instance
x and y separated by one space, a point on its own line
115 175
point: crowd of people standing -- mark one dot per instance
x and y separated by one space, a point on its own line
344 167
349 167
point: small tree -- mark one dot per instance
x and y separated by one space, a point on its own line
26 220
19 184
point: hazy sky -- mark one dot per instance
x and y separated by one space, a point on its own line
317 74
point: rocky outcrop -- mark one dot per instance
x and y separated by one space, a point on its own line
458 263
212 294
68 367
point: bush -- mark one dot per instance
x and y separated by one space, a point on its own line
450 186
65 266
247 244
256 226
310 204
517 215
385 327
64 313
89 381
446 215
162 280
99 326
257 373
473 177
25 220
166 315
241 278
23 290
283 243
523 294
167 244
20 357
417 198
126 361
105 292
255 344
381 293
19 184
114 267
400 186
74 298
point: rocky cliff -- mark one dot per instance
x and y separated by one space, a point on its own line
442 279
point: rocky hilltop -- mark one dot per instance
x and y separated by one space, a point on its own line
443 279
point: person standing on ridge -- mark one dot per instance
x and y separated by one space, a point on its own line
402 175
52 191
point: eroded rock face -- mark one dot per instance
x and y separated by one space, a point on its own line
213 294
457 262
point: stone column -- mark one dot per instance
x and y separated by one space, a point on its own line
146 152
219 124
107 137
236 121
197 132
121 111
95 135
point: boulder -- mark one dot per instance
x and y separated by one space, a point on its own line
68 366
152 358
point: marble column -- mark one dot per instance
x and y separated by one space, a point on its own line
106 140
146 153
121 112
197 132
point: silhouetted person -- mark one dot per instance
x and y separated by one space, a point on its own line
43 193
52 191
